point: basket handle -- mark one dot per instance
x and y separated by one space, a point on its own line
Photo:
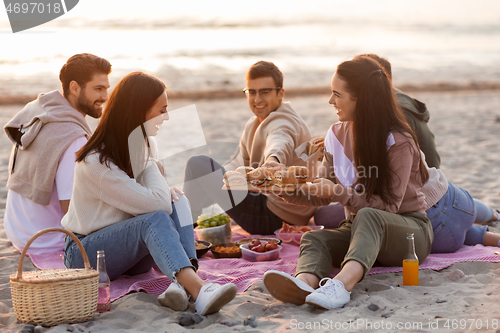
44 231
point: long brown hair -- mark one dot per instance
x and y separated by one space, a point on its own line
375 116
125 111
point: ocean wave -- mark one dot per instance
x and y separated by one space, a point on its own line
207 94
277 22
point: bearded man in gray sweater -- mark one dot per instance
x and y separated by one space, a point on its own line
46 134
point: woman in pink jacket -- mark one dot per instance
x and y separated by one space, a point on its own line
373 167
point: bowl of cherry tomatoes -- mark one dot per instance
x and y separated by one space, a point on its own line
258 250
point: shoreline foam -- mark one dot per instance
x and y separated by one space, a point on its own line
11 99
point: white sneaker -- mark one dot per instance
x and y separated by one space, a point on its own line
286 288
213 297
175 297
331 294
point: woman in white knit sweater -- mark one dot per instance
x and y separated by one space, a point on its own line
122 204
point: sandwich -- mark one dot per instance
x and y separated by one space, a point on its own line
260 177
315 143
301 173
244 170
234 178
284 178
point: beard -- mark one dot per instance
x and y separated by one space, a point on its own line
88 107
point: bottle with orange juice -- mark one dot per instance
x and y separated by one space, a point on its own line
410 264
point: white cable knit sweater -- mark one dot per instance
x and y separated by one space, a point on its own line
435 188
103 196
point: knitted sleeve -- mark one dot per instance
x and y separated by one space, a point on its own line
281 141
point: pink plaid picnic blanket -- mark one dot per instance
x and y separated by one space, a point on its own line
244 273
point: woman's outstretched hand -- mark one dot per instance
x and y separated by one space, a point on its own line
173 193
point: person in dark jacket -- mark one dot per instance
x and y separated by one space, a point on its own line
417 116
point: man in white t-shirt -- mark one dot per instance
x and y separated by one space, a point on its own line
46 134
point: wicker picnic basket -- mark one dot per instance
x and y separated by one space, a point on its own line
55 296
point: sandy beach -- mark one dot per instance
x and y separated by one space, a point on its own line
467 129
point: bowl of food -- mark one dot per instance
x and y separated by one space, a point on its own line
249 240
202 247
215 228
226 250
293 233
260 251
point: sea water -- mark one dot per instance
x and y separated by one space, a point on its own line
200 45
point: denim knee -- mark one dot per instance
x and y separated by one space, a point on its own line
156 221
475 235
158 216
484 213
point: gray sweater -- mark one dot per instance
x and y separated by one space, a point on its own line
41 132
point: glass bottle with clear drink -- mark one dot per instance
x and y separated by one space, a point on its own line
410 264
104 302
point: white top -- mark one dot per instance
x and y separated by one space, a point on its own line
23 218
105 195
182 206
345 171
435 188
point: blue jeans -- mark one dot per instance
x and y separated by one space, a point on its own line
452 220
135 245
484 213
203 186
